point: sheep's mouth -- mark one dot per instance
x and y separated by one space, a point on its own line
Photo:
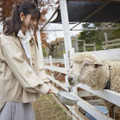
72 80
73 83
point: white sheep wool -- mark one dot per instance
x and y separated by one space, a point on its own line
25 38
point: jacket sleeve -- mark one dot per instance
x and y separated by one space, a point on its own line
22 70
40 67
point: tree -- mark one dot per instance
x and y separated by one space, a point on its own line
97 36
6 6
91 36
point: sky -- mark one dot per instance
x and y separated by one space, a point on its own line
52 35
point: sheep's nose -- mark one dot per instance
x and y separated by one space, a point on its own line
70 78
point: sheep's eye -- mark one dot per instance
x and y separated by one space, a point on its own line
86 64
71 66
97 65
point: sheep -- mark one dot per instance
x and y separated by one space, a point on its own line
89 69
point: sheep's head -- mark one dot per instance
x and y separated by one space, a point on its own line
86 68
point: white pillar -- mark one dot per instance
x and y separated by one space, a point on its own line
66 29
39 43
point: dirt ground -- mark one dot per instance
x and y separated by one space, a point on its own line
46 108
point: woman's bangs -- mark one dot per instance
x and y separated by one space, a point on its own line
36 15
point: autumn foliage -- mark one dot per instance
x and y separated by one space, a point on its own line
6 7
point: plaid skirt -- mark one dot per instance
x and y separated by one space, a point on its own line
17 111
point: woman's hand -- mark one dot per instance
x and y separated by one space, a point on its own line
50 91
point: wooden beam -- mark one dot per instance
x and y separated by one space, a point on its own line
80 114
89 45
50 18
36 2
92 14
51 30
111 41
116 44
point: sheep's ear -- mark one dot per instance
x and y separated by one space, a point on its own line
78 60
97 65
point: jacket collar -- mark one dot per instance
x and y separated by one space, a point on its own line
27 37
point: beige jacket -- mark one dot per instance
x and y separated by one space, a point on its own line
20 82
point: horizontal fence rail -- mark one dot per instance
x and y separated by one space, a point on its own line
111 43
46 60
108 95
57 82
92 110
58 69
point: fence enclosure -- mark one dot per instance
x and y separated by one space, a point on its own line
85 91
87 105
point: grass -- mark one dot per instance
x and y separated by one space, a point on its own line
46 108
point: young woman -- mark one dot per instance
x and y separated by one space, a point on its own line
22 74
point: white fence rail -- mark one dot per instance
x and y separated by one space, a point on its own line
58 69
46 60
108 95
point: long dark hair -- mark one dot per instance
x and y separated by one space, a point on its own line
13 25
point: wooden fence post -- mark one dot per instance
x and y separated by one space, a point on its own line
106 39
94 47
84 48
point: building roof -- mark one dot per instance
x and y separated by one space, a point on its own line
92 11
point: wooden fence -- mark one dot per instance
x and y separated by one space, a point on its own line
105 94
110 43
89 45
88 106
